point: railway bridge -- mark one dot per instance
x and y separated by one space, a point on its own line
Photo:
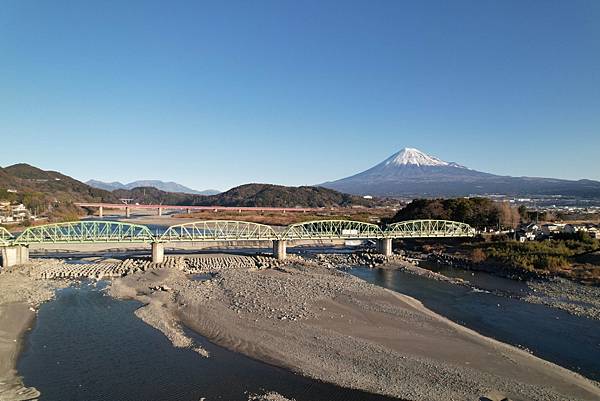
15 248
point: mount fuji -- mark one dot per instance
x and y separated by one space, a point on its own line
411 172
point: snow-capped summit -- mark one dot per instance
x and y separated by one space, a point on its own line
411 172
414 157
405 170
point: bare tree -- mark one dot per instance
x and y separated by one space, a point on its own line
509 216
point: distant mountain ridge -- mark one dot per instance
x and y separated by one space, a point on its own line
54 194
411 172
249 195
281 196
167 186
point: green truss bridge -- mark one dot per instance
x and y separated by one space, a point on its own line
5 236
15 247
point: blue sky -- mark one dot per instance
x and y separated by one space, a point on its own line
220 93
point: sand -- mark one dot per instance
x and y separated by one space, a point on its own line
15 318
20 295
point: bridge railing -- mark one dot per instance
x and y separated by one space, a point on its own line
219 230
428 228
332 229
86 232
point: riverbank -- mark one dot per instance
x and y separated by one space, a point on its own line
331 326
577 298
582 268
20 295
560 293
16 319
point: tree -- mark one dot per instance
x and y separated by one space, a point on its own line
523 213
477 212
509 216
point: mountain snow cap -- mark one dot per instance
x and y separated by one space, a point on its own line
412 156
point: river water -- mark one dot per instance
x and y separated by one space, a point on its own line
88 346
493 309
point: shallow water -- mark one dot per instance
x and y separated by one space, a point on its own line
493 310
88 346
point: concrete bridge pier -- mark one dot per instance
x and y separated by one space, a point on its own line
160 211
101 212
158 252
14 255
384 246
127 212
280 249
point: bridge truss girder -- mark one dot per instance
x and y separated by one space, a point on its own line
226 230
219 230
332 229
428 229
78 232
5 236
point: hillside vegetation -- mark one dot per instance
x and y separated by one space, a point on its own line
47 192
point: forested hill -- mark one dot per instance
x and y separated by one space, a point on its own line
53 194
281 196
250 195
47 191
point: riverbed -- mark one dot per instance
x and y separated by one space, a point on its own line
493 308
89 346
331 326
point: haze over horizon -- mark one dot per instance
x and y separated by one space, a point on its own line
213 95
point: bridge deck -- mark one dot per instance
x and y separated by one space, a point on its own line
122 206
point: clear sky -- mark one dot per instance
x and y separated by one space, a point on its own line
214 94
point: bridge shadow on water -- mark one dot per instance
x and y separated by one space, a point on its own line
88 346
